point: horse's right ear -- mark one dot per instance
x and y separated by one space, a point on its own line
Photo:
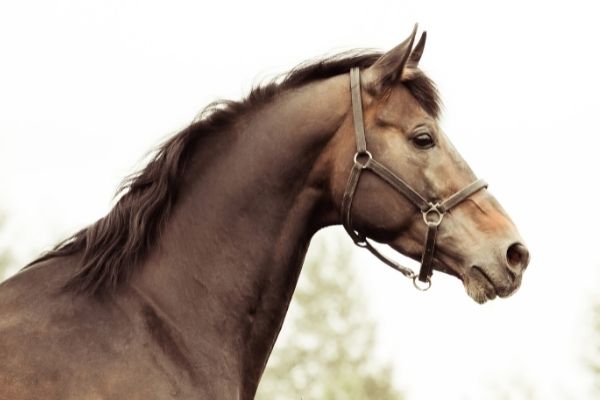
395 65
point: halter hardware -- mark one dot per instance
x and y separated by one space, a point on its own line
423 288
433 213
434 209
358 155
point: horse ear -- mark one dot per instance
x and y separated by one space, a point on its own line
397 63
417 53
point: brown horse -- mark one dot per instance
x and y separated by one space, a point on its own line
180 291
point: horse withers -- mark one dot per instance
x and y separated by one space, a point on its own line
181 289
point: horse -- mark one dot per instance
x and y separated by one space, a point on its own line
181 289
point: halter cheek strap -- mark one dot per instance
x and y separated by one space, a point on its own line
433 213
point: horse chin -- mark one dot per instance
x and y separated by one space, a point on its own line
477 284
481 287
480 293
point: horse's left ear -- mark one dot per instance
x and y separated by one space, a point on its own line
397 64
417 53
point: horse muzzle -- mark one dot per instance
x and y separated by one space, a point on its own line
486 281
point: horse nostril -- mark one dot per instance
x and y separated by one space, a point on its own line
517 257
511 274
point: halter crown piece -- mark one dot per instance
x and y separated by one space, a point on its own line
433 213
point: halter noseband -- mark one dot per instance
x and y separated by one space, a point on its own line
433 213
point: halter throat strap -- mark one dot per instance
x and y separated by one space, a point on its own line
433 213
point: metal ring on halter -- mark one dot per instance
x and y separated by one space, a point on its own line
366 153
429 212
362 243
421 288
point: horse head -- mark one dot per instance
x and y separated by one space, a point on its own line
419 185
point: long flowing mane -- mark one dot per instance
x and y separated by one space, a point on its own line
116 244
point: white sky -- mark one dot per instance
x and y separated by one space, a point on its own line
87 88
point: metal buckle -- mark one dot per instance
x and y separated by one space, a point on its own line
433 216
421 288
364 153
362 243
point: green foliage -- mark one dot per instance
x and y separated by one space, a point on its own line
326 348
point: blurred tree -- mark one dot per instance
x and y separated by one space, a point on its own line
326 347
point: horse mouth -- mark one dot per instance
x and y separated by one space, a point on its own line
479 284
489 288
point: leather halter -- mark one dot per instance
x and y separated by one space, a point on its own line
433 213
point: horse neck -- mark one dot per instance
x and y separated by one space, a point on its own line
230 256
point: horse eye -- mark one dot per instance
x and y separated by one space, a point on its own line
423 141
